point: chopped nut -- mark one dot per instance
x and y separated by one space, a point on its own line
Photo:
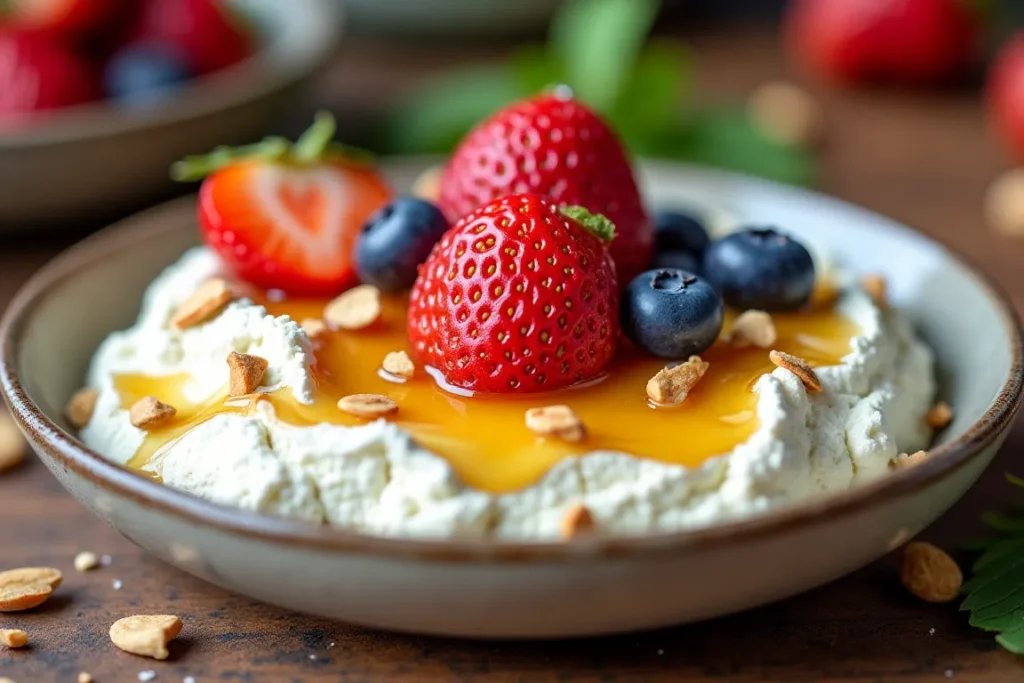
81 406
29 575
799 367
150 413
203 304
428 184
146 634
369 406
1004 204
786 114
939 415
85 677
577 521
399 364
13 638
12 446
22 596
246 373
877 288
753 328
929 573
86 561
556 421
357 308
905 461
313 327
673 383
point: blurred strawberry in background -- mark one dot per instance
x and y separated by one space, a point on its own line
39 73
905 41
58 53
1006 95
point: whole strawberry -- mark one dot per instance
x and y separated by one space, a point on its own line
555 147
206 31
852 41
519 296
1006 95
38 73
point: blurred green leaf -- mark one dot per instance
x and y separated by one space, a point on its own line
727 139
598 41
438 114
537 68
649 105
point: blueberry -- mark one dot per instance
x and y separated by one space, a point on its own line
142 73
683 260
395 240
760 268
678 231
671 313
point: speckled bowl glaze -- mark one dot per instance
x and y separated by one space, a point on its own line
98 157
513 590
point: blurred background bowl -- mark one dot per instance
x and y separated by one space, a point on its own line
100 159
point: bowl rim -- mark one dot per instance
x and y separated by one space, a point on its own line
253 78
67 452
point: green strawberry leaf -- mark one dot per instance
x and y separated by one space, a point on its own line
443 109
596 223
727 139
314 145
598 42
995 592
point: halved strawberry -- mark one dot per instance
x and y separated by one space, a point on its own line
286 216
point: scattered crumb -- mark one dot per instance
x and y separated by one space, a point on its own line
245 373
673 383
147 675
81 406
799 367
931 631
356 309
367 406
150 413
753 328
1004 204
950 673
312 656
661 652
330 644
118 584
877 288
399 364
13 638
939 415
577 521
13 448
203 304
85 677
929 573
313 327
146 634
428 184
786 114
904 461
106 560
27 587
86 561
188 679
556 421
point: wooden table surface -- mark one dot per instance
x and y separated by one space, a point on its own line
922 158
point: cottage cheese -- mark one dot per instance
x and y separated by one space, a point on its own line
375 479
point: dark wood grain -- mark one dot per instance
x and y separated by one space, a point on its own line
922 158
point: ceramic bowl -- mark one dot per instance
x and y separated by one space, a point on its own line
99 157
502 589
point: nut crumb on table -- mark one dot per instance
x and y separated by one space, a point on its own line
146 635
86 561
13 638
929 573
13 448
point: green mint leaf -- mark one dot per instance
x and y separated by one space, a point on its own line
311 145
598 42
726 139
595 223
536 68
995 592
440 112
1015 480
648 107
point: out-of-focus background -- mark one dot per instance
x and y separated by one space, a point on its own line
97 97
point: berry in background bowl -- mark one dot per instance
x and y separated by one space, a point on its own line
52 146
